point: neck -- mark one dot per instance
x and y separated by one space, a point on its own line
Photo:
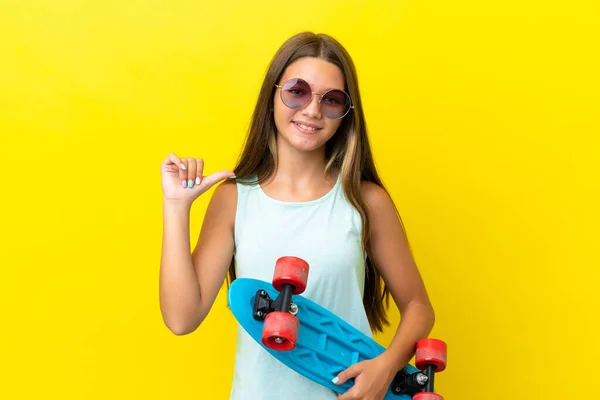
299 166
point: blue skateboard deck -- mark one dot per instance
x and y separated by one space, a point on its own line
326 345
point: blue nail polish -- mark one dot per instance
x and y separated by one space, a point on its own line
190 183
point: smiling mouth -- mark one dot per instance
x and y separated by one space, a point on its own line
304 127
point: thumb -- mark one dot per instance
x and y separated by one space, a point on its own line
351 372
211 180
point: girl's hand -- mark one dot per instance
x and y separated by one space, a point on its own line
182 178
372 379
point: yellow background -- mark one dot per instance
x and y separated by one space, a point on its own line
484 122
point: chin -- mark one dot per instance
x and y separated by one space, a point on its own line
301 139
307 147
303 143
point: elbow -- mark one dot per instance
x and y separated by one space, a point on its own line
431 319
429 314
181 321
425 313
182 326
180 330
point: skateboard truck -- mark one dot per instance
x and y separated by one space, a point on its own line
430 359
411 384
263 304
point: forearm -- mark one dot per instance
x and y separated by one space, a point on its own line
179 289
416 323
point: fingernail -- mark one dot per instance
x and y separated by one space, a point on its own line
182 166
197 180
184 183
232 177
335 380
190 183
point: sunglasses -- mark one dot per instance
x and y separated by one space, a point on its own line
296 93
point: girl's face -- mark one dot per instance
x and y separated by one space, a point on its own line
307 129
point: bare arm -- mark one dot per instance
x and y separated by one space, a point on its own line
391 254
190 281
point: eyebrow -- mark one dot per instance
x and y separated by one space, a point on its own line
312 84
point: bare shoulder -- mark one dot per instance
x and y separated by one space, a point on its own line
226 190
375 196
223 202
382 212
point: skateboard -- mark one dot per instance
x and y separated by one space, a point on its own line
316 343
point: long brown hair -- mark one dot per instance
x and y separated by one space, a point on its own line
347 152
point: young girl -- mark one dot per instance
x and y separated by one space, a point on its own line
305 186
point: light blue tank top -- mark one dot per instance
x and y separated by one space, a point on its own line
326 233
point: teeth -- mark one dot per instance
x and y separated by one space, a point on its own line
308 128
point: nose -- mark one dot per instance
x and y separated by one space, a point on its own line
313 109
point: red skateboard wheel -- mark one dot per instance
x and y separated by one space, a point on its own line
280 331
293 271
431 352
427 396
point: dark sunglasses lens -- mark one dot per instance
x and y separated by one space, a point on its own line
335 104
295 93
